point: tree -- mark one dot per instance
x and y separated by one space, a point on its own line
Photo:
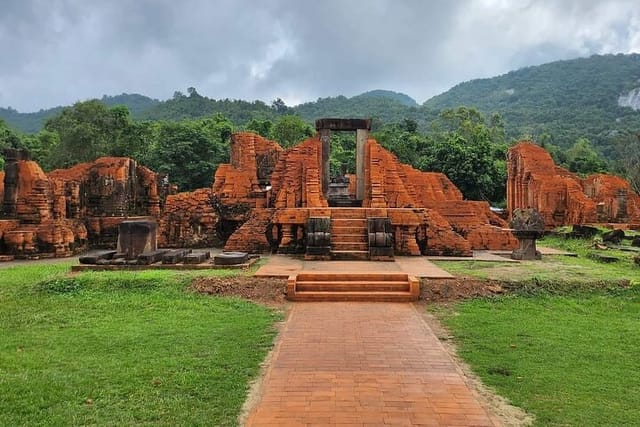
8 139
189 151
261 127
41 146
279 106
87 131
628 149
288 130
583 159
470 152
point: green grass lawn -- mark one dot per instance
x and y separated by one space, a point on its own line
124 348
564 344
566 359
580 269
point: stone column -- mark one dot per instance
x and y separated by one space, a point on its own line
361 140
325 139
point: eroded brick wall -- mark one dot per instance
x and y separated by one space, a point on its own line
189 220
296 181
563 198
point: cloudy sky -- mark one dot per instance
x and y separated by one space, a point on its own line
56 52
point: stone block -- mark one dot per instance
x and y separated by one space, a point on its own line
175 256
94 257
231 258
151 257
197 257
137 237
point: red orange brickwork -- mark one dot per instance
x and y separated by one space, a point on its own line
252 161
261 201
189 219
561 197
252 236
296 181
38 224
58 213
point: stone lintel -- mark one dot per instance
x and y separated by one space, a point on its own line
343 124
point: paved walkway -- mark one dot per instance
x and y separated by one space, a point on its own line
284 265
360 364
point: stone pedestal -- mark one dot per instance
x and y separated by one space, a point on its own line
527 225
526 245
136 237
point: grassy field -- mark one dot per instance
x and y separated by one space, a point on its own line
561 346
568 360
123 349
581 268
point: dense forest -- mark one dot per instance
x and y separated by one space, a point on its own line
570 107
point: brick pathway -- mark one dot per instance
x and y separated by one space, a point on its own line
358 363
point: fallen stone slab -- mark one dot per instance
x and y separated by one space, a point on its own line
151 257
613 236
175 256
95 256
583 231
607 259
197 257
231 258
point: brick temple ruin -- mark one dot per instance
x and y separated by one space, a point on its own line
562 197
264 200
268 199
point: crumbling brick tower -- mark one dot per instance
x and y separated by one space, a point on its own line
563 198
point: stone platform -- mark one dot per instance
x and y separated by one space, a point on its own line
284 266
159 266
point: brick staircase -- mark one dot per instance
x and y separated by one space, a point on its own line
317 286
349 239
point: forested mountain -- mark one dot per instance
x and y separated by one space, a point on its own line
381 105
33 122
193 105
27 122
402 98
559 102
555 104
137 104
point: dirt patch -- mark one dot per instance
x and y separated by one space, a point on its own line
268 291
446 290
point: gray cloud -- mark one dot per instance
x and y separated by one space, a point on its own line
58 52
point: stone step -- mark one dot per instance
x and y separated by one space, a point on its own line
346 286
349 222
349 246
350 255
326 286
356 276
348 213
355 296
349 237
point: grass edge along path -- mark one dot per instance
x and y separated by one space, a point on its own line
124 348
567 359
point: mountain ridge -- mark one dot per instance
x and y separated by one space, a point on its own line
556 103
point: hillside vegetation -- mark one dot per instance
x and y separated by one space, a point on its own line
558 102
555 103
572 108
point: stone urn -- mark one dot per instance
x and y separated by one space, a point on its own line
527 226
